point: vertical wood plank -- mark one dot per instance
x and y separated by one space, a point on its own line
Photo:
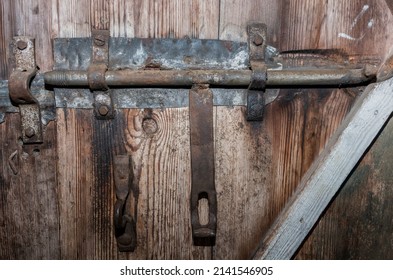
162 168
243 149
5 37
74 18
235 15
176 19
358 27
29 224
75 183
243 180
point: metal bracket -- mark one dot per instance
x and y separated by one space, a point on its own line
124 221
202 164
19 89
257 47
103 105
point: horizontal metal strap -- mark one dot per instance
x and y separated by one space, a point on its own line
125 98
137 53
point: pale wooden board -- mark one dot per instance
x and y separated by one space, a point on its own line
328 172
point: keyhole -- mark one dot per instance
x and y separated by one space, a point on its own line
203 209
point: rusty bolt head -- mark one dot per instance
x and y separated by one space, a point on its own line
103 110
99 40
258 40
21 45
29 132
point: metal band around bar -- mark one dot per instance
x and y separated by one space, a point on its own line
19 89
255 97
103 105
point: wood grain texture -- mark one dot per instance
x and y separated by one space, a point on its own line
301 121
29 223
75 183
243 181
162 168
235 15
243 149
328 172
358 27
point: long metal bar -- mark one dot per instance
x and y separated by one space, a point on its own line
202 164
171 78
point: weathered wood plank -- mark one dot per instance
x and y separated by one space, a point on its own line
5 37
75 182
301 121
235 15
243 157
243 149
328 172
29 223
348 25
160 148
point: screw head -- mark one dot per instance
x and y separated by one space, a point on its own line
21 45
29 132
103 110
258 40
99 40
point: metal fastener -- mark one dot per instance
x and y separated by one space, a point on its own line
29 132
103 110
258 40
21 45
99 40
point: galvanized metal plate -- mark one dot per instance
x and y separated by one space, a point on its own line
78 98
136 53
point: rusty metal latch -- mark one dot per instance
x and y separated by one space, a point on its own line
103 105
19 89
202 165
257 48
124 220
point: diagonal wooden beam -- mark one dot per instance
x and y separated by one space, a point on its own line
324 178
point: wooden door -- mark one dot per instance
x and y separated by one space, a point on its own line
59 204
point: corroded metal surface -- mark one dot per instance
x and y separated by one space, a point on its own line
223 78
136 53
124 222
19 89
202 164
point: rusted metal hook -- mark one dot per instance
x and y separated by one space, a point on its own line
124 223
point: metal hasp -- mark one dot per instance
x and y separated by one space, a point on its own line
202 164
255 96
103 105
25 69
124 221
